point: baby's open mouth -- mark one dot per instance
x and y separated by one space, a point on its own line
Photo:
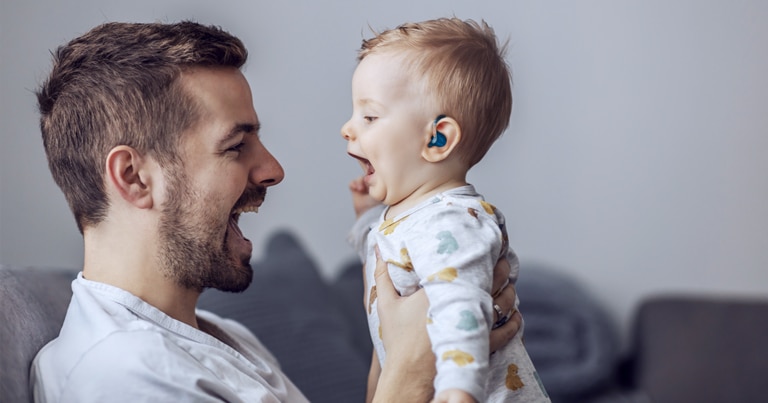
365 164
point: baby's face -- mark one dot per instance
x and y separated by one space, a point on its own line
391 124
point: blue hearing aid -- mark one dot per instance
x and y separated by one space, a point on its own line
438 139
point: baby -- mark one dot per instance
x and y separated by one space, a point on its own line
429 99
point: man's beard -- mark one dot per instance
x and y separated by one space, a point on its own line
191 253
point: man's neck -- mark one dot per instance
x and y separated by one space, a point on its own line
134 267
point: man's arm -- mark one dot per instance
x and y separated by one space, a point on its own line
373 377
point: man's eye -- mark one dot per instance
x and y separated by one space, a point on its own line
237 148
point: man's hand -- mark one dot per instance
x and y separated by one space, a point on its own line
409 368
504 295
454 396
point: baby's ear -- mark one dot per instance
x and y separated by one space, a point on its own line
443 136
130 176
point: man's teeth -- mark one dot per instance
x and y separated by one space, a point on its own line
246 209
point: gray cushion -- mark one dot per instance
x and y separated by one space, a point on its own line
570 337
347 289
298 317
32 307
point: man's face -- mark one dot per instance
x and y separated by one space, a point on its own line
391 116
224 171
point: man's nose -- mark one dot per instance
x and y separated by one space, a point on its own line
267 171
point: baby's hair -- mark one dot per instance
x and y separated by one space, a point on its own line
463 68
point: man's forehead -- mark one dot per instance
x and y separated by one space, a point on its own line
223 103
200 79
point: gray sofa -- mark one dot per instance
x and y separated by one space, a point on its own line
686 349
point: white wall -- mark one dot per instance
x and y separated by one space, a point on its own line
635 160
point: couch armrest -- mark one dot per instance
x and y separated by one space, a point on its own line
32 307
701 349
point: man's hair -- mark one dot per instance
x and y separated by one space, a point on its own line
465 72
119 84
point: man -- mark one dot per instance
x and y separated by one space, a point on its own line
151 134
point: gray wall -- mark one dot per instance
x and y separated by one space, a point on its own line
635 161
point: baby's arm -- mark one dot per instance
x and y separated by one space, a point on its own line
410 365
454 257
361 200
367 210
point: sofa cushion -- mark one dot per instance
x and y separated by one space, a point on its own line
348 290
570 337
32 307
296 314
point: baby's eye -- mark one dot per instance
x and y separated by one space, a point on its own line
370 119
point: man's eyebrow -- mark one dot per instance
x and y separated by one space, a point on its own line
244 128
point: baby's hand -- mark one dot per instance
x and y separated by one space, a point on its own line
453 396
361 200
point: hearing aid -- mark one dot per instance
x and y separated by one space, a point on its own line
438 139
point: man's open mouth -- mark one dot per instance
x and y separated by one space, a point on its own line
244 209
237 243
249 202
234 218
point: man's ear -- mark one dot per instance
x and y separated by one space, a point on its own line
443 136
129 174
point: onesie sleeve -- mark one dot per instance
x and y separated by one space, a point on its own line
359 233
454 255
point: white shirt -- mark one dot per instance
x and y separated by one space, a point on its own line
115 347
